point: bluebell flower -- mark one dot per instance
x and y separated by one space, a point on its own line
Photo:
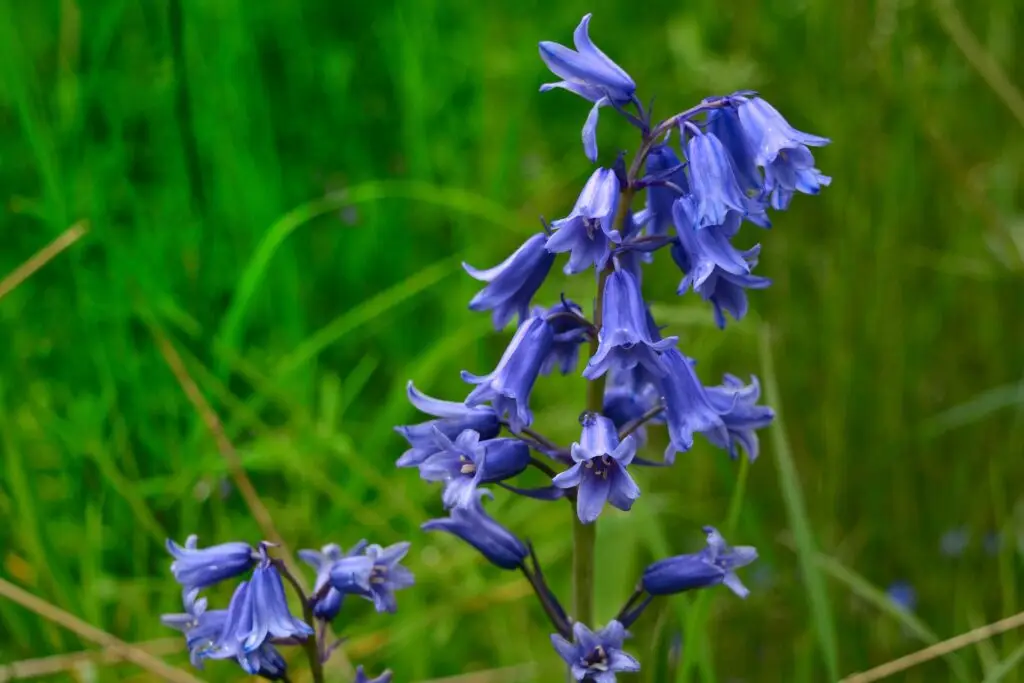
589 73
737 406
452 419
200 626
361 676
715 564
467 462
782 151
657 215
725 125
624 338
903 595
508 387
242 619
600 469
590 228
512 283
269 617
570 330
597 656
955 541
375 575
201 567
688 409
708 249
473 525
716 191
328 606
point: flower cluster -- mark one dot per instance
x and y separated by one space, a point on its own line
733 159
258 620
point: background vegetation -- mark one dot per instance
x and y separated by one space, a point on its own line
284 191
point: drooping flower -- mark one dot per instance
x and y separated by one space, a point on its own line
708 249
588 230
597 656
239 622
600 469
716 191
374 575
624 338
200 626
725 125
473 525
467 462
452 419
570 330
688 409
328 606
361 676
512 283
508 387
782 151
715 564
737 406
589 73
201 567
269 616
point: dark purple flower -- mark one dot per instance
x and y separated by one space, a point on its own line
201 567
375 575
328 606
782 151
467 462
737 406
597 656
715 564
512 283
453 419
625 338
588 229
473 525
688 409
589 73
600 470
508 387
361 676
570 330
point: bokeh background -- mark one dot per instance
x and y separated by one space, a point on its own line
283 192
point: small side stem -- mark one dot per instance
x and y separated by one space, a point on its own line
641 421
309 645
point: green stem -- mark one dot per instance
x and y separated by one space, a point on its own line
310 645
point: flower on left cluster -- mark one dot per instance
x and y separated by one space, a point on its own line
258 619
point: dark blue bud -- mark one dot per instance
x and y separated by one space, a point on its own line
453 419
201 567
512 283
590 228
662 161
570 330
473 525
715 564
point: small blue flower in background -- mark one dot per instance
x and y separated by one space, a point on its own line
992 542
955 541
903 594
467 462
195 567
570 329
782 151
688 408
625 339
737 406
508 387
473 525
589 73
600 469
590 228
597 656
374 575
512 283
452 419
328 606
715 564
361 676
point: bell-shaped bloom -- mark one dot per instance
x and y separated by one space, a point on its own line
590 228
599 472
737 405
329 604
200 626
713 183
715 564
375 575
589 73
709 249
597 656
688 408
201 567
782 151
508 387
625 338
663 163
467 462
512 283
269 618
570 330
238 624
473 525
361 676
725 125
452 419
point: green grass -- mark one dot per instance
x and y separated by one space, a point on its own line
287 189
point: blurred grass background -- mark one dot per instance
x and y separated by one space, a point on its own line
285 190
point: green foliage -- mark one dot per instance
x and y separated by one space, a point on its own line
288 187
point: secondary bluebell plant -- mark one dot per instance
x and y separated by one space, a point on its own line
706 172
